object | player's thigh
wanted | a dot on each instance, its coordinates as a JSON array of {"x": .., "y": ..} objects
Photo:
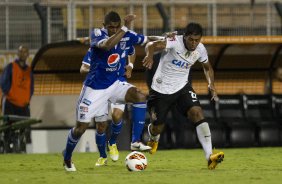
[
  {"x": 92, "y": 103},
  {"x": 118, "y": 91},
  {"x": 159, "y": 106},
  {"x": 188, "y": 104}
]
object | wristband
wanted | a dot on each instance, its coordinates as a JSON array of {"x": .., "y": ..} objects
[
  {"x": 131, "y": 65},
  {"x": 124, "y": 28}
]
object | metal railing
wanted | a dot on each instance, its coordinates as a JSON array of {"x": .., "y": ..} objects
[{"x": 69, "y": 19}]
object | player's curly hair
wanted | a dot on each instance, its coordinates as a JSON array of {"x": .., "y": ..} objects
[
  {"x": 112, "y": 17},
  {"x": 193, "y": 29}
]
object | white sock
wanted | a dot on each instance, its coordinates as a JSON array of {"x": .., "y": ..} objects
[
  {"x": 152, "y": 137},
  {"x": 204, "y": 136}
]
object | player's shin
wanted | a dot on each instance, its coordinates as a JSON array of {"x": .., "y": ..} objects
[
  {"x": 101, "y": 144},
  {"x": 72, "y": 141},
  {"x": 138, "y": 118},
  {"x": 116, "y": 128},
  {"x": 204, "y": 136}
]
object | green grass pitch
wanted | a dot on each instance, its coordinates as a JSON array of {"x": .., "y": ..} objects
[{"x": 250, "y": 165}]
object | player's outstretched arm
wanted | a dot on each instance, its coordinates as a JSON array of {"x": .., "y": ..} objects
[
  {"x": 209, "y": 73},
  {"x": 165, "y": 35},
  {"x": 150, "y": 48},
  {"x": 129, "y": 67},
  {"x": 114, "y": 39}
]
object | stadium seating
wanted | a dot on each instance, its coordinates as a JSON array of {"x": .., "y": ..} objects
[
  {"x": 259, "y": 111},
  {"x": 230, "y": 111}
]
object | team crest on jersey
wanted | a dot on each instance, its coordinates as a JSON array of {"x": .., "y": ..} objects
[
  {"x": 113, "y": 60},
  {"x": 122, "y": 45}
]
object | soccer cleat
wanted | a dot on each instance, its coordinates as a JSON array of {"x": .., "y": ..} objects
[
  {"x": 215, "y": 159},
  {"x": 113, "y": 152},
  {"x": 139, "y": 146},
  {"x": 153, "y": 145},
  {"x": 69, "y": 166},
  {"x": 101, "y": 161}
]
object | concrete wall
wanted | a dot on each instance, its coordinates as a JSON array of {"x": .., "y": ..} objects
[{"x": 54, "y": 141}]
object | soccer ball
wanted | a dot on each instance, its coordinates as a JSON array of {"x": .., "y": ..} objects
[{"x": 136, "y": 161}]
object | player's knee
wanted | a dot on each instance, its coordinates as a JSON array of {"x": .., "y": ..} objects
[
  {"x": 134, "y": 95},
  {"x": 79, "y": 131},
  {"x": 157, "y": 128},
  {"x": 195, "y": 114},
  {"x": 101, "y": 127},
  {"x": 117, "y": 117}
]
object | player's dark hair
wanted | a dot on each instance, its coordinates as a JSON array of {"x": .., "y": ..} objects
[
  {"x": 112, "y": 17},
  {"x": 193, "y": 29}
]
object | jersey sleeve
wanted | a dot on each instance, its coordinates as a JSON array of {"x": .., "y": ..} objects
[
  {"x": 97, "y": 37},
  {"x": 131, "y": 50},
  {"x": 87, "y": 59},
  {"x": 171, "y": 43},
  {"x": 137, "y": 39},
  {"x": 203, "y": 54}
]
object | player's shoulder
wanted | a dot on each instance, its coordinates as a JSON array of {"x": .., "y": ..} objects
[
  {"x": 201, "y": 47},
  {"x": 131, "y": 33},
  {"x": 97, "y": 32}
]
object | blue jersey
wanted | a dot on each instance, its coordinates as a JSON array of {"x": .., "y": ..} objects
[
  {"x": 87, "y": 60},
  {"x": 108, "y": 66}
]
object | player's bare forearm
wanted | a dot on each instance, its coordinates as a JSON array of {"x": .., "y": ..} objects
[
  {"x": 113, "y": 40},
  {"x": 209, "y": 73},
  {"x": 154, "y": 46},
  {"x": 150, "y": 48},
  {"x": 155, "y": 38},
  {"x": 129, "y": 67}
]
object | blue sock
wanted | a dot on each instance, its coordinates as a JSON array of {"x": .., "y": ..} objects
[
  {"x": 116, "y": 128},
  {"x": 71, "y": 143},
  {"x": 101, "y": 144},
  {"x": 138, "y": 118}
]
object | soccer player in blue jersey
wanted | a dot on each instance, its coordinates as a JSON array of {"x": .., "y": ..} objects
[
  {"x": 109, "y": 47},
  {"x": 117, "y": 109}
]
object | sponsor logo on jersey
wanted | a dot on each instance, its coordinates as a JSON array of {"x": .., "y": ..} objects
[
  {"x": 83, "y": 109},
  {"x": 180, "y": 64},
  {"x": 113, "y": 60},
  {"x": 86, "y": 102},
  {"x": 159, "y": 80}
]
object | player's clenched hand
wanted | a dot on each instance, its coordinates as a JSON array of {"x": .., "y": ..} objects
[
  {"x": 170, "y": 34},
  {"x": 128, "y": 19},
  {"x": 148, "y": 62},
  {"x": 128, "y": 71},
  {"x": 213, "y": 93}
]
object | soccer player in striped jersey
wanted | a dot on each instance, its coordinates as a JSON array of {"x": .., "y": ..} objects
[{"x": 170, "y": 86}]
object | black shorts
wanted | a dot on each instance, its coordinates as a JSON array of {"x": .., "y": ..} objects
[{"x": 160, "y": 104}]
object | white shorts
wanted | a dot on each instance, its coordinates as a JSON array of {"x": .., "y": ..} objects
[
  {"x": 120, "y": 106},
  {"x": 95, "y": 103}
]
